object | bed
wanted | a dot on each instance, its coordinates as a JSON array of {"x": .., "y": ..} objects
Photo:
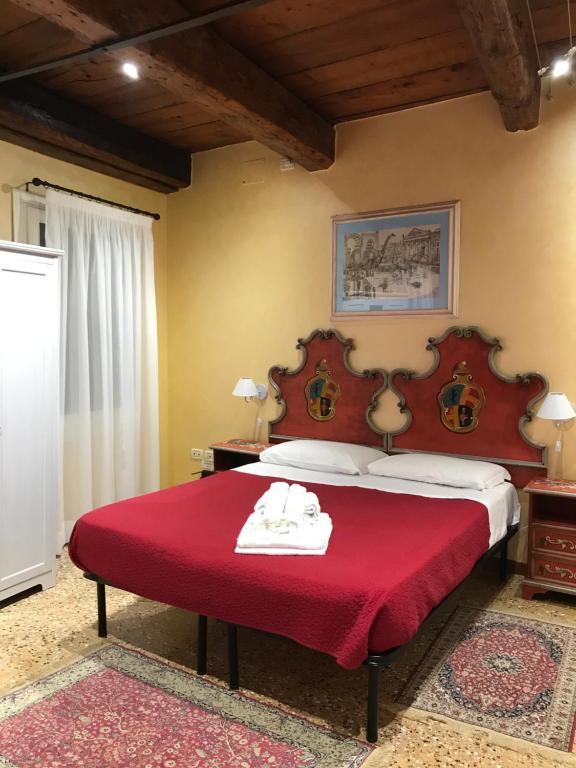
[{"x": 399, "y": 547}]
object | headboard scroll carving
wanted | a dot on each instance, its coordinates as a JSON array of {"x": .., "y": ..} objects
[
  {"x": 350, "y": 399},
  {"x": 500, "y": 433},
  {"x": 483, "y": 418}
]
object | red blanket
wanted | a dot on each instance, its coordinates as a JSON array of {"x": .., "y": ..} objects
[{"x": 391, "y": 559}]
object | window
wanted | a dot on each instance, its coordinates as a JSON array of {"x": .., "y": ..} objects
[{"x": 28, "y": 218}]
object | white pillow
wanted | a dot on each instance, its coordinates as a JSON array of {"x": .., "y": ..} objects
[
  {"x": 323, "y": 456},
  {"x": 443, "y": 470}
]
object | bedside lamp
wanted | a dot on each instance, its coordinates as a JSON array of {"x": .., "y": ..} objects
[
  {"x": 557, "y": 408},
  {"x": 251, "y": 392}
]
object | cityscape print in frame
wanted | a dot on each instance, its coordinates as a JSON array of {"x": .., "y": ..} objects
[{"x": 396, "y": 262}]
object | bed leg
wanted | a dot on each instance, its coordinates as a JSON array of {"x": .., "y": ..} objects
[
  {"x": 101, "y": 597},
  {"x": 373, "y": 696},
  {"x": 504, "y": 560},
  {"x": 233, "y": 669},
  {"x": 202, "y": 644}
]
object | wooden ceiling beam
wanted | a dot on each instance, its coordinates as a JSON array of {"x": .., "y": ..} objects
[
  {"x": 38, "y": 119},
  {"x": 500, "y": 30},
  {"x": 165, "y": 30},
  {"x": 200, "y": 67}
]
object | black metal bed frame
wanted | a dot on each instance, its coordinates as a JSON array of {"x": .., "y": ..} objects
[{"x": 375, "y": 662}]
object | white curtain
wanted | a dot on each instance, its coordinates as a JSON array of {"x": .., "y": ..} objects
[{"x": 109, "y": 359}]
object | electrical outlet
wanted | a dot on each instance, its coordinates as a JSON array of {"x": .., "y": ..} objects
[
  {"x": 196, "y": 454},
  {"x": 208, "y": 460}
]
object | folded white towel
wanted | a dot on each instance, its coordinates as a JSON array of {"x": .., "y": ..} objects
[
  {"x": 273, "y": 501},
  {"x": 278, "y": 551},
  {"x": 259, "y": 533},
  {"x": 286, "y": 520},
  {"x": 290, "y": 546}
]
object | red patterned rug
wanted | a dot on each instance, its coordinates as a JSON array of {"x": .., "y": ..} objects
[
  {"x": 118, "y": 707},
  {"x": 512, "y": 675}
]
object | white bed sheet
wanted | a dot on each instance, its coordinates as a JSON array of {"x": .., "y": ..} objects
[{"x": 502, "y": 503}]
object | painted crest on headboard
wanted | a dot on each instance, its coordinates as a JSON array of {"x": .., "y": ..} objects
[
  {"x": 498, "y": 433},
  {"x": 321, "y": 393},
  {"x": 461, "y": 401},
  {"x": 324, "y": 397}
]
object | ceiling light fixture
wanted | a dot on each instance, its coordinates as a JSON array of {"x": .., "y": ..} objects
[
  {"x": 130, "y": 70},
  {"x": 563, "y": 64}
]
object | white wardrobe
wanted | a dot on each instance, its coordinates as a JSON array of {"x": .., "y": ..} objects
[{"x": 29, "y": 412}]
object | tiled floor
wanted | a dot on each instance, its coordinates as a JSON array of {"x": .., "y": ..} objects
[{"x": 55, "y": 627}]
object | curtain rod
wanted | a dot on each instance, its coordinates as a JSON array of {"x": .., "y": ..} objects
[{"x": 48, "y": 185}]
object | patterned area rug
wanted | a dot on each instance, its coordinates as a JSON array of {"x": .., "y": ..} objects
[
  {"x": 512, "y": 675},
  {"x": 119, "y": 707}
]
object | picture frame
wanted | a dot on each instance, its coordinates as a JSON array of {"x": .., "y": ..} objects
[{"x": 398, "y": 262}]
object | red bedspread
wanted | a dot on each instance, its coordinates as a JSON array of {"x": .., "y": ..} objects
[{"x": 391, "y": 559}]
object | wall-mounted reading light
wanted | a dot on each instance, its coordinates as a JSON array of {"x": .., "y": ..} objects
[
  {"x": 252, "y": 392},
  {"x": 557, "y": 408}
]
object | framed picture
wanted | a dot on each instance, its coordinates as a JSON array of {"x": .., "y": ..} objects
[{"x": 396, "y": 262}]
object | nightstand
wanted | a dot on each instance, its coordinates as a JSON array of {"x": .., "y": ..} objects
[
  {"x": 229, "y": 454},
  {"x": 551, "y": 538}
]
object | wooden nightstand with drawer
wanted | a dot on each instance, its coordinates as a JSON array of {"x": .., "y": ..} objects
[{"x": 551, "y": 538}]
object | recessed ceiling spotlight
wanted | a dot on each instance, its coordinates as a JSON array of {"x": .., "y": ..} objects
[{"x": 130, "y": 70}]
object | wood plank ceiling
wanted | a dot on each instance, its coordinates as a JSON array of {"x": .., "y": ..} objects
[{"x": 283, "y": 73}]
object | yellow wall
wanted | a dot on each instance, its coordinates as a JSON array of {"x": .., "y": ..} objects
[
  {"x": 249, "y": 264},
  {"x": 19, "y": 165},
  {"x": 242, "y": 270}
]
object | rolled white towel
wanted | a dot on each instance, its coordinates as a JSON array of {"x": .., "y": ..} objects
[
  {"x": 295, "y": 501},
  {"x": 273, "y": 501},
  {"x": 311, "y": 506}
]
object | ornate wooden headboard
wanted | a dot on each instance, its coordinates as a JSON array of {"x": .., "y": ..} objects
[
  {"x": 324, "y": 397},
  {"x": 463, "y": 406}
]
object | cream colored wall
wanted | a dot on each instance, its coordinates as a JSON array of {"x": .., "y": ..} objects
[
  {"x": 249, "y": 264},
  {"x": 19, "y": 165}
]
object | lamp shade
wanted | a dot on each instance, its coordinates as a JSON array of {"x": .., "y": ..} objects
[
  {"x": 556, "y": 407},
  {"x": 245, "y": 388}
]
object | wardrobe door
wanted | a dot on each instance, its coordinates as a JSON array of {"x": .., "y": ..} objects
[{"x": 28, "y": 420}]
